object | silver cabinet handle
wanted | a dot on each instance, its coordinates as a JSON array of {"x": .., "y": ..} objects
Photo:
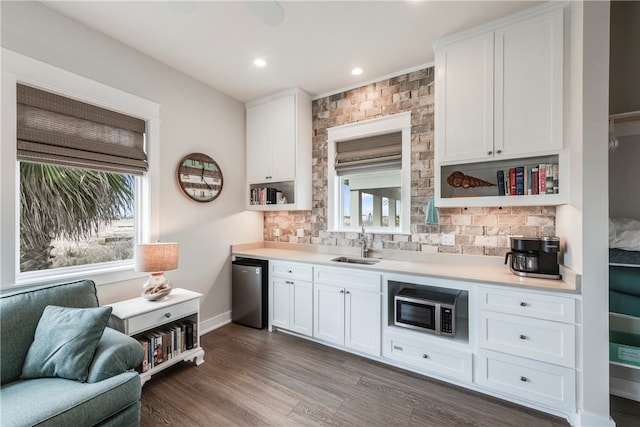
[
  {"x": 498, "y": 151},
  {"x": 524, "y": 379},
  {"x": 489, "y": 153},
  {"x": 347, "y": 292},
  {"x": 523, "y": 337},
  {"x": 342, "y": 291},
  {"x": 523, "y": 304},
  {"x": 425, "y": 356}
]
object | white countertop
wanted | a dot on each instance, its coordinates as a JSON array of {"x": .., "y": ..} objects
[{"x": 445, "y": 266}]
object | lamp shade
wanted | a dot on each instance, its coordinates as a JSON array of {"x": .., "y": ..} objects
[{"x": 156, "y": 257}]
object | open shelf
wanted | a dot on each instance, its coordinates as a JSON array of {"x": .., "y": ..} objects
[{"x": 451, "y": 196}]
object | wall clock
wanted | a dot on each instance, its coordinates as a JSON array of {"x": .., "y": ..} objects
[{"x": 199, "y": 177}]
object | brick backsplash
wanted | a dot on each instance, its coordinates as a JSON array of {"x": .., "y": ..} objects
[{"x": 478, "y": 231}]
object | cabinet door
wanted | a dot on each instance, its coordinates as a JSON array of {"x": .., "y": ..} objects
[
  {"x": 259, "y": 145},
  {"x": 283, "y": 138},
  {"x": 362, "y": 321},
  {"x": 464, "y": 99},
  {"x": 528, "y": 80},
  {"x": 280, "y": 303},
  {"x": 328, "y": 313},
  {"x": 302, "y": 307}
]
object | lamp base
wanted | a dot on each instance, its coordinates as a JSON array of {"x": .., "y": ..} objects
[{"x": 156, "y": 288}]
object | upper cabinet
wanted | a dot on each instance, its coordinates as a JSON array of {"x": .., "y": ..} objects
[
  {"x": 279, "y": 152},
  {"x": 499, "y": 102}
]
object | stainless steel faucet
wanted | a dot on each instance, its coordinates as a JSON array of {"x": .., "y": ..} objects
[{"x": 363, "y": 244}]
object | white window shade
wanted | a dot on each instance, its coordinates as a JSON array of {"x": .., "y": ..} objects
[{"x": 369, "y": 153}]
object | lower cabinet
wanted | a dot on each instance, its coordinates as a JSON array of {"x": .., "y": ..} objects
[
  {"x": 348, "y": 315},
  {"x": 538, "y": 382},
  {"x": 429, "y": 356},
  {"x": 291, "y": 298},
  {"x": 527, "y": 346}
]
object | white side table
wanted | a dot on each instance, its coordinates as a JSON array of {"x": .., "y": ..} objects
[{"x": 140, "y": 318}]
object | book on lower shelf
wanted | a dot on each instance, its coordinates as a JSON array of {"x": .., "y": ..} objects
[{"x": 167, "y": 342}]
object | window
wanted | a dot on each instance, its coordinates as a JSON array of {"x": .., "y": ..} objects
[
  {"x": 133, "y": 203},
  {"x": 369, "y": 175},
  {"x": 77, "y": 185}
]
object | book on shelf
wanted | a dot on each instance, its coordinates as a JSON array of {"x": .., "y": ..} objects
[
  {"x": 542, "y": 179},
  {"x": 512, "y": 181},
  {"x": 534, "y": 180},
  {"x": 549, "y": 186},
  {"x": 167, "y": 342},
  {"x": 500, "y": 175},
  {"x": 528, "y": 180},
  {"x": 520, "y": 186},
  {"x": 263, "y": 196}
]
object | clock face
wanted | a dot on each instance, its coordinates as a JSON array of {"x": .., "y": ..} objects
[{"x": 199, "y": 177}]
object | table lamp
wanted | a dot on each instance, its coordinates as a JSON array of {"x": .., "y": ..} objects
[{"x": 156, "y": 258}]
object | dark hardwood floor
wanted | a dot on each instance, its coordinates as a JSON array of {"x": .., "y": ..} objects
[{"x": 254, "y": 377}]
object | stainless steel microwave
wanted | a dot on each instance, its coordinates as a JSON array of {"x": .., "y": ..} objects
[{"x": 426, "y": 310}]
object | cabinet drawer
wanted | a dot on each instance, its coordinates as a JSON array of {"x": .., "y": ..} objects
[
  {"x": 431, "y": 357},
  {"x": 538, "y": 382},
  {"x": 529, "y": 304},
  {"x": 536, "y": 339},
  {"x": 154, "y": 318},
  {"x": 353, "y": 278},
  {"x": 292, "y": 270}
]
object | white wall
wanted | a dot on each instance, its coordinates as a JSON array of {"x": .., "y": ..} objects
[
  {"x": 624, "y": 176},
  {"x": 583, "y": 222},
  {"x": 194, "y": 118}
]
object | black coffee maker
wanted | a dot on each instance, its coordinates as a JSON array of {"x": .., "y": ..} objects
[{"x": 534, "y": 257}]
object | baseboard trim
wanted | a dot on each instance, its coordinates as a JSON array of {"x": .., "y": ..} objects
[
  {"x": 215, "y": 322},
  {"x": 624, "y": 388}
]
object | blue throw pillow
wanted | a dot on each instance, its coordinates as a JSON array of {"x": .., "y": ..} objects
[{"x": 65, "y": 341}]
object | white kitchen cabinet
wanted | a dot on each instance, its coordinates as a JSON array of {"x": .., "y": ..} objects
[
  {"x": 427, "y": 355},
  {"x": 527, "y": 346},
  {"x": 499, "y": 98},
  {"x": 279, "y": 150},
  {"x": 464, "y": 99},
  {"x": 291, "y": 297},
  {"x": 542, "y": 383},
  {"x": 347, "y": 308}
]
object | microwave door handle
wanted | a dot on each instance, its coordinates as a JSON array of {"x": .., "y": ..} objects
[{"x": 437, "y": 315}]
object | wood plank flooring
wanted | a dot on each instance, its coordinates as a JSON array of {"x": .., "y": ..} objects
[{"x": 256, "y": 378}]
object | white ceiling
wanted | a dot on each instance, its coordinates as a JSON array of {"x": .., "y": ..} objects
[{"x": 313, "y": 48}]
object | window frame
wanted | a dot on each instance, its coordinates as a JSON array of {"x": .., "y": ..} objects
[
  {"x": 393, "y": 123},
  {"x": 17, "y": 68}
]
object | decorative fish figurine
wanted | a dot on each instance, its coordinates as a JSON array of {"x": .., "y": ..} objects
[{"x": 459, "y": 179}]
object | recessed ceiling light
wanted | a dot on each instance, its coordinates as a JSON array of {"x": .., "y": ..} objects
[
  {"x": 259, "y": 62},
  {"x": 356, "y": 71}
]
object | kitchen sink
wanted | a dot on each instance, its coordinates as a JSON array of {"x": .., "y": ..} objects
[{"x": 350, "y": 260}]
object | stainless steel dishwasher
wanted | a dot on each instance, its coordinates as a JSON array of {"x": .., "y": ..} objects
[{"x": 249, "y": 292}]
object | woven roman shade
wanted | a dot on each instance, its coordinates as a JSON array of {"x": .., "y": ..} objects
[
  {"x": 369, "y": 153},
  {"x": 62, "y": 131}
]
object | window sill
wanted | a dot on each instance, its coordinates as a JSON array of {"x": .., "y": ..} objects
[{"x": 101, "y": 275}]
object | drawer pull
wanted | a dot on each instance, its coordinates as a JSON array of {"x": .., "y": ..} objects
[
  {"x": 523, "y": 337},
  {"x": 289, "y": 271},
  {"x": 342, "y": 291},
  {"x": 167, "y": 315},
  {"x": 289, "y": 282},
  {"x": 425, "y": 356},
  {"x": 524, "y": 379},
  {"x": 347, "y": 292},
  {"x": 397, "y": 347},
  {"x": 523, "y": 304}
]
